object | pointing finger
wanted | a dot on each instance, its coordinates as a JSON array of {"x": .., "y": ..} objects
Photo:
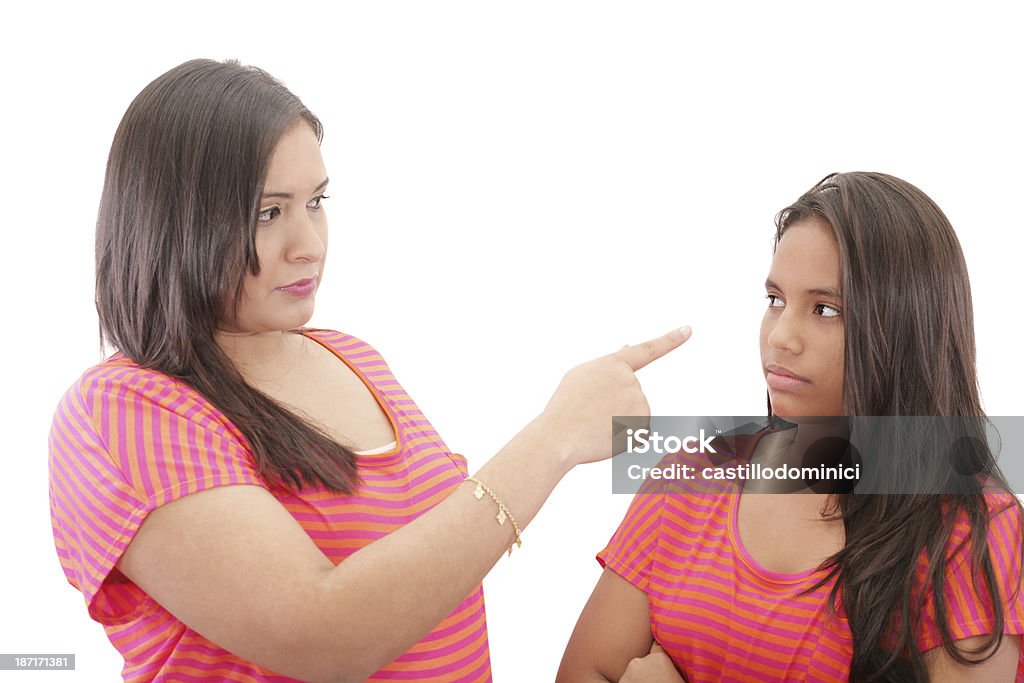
[{"x": 641, "y": 354}]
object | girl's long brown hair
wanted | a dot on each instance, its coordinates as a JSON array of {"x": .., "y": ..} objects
[
  {"x": 175, "y": 238},
  {"x": 909, "y": 351}
]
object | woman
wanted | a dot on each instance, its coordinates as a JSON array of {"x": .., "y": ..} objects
[
  {"x": 241, "y": 498},
  {"x": 869, "y": 314}
]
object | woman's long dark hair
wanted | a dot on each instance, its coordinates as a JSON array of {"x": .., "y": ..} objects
[
  {"x": 909, "y": 351},
  {"x": 175, "y": 239}
]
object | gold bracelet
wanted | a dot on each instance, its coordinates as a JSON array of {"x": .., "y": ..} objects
[{"x": 503, "y": 513}]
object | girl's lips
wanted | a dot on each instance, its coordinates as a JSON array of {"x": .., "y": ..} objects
[
  {"x": 781, "y": 379},
  {"x": 784, "y": 382},
  {"x": 300, "y": 288}
]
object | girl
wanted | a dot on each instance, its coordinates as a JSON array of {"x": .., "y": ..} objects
[
  {"x": 241, "y": 498},
  {"x": 869, "y": 314}
]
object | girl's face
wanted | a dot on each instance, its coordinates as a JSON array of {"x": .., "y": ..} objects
[
  {"x": 802, "y": 334},
  {"x": 291, "y": 238}
]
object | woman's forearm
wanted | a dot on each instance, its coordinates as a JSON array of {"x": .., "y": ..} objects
[{"x": 395, "y": 590}]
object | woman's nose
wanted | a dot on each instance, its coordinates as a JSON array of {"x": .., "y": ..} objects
[{"x": 308, "y": 238}]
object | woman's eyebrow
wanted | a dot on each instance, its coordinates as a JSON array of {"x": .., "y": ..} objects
[
  {"x": 289, "y": 195},
  {"x": 820, "y": 291}
]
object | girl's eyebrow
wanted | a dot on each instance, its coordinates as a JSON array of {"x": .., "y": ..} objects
[
  {"x": 820, "y": 291},
  {"x": 289, "y": 195}
]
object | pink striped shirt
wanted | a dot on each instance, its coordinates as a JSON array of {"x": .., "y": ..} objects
[
  {"x": 126, "y": 440},
  {"x": 721, "y": 616}
]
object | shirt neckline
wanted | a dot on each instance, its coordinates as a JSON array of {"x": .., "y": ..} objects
[
  {"x": 369, "y": 459},
  {"x": 379, "y": 449},
  {"x": 734, "y": 536}
]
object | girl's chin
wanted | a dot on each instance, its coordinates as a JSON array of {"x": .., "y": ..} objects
[
  {"x": 795, "y": 411},
  {"x": 790, "y": 413},
  {"x": 805, "y": 415}
]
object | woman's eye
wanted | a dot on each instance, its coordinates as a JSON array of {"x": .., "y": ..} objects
[
  {"x": 268, "y": 214},
  {"x": 774, "y": 301},
  {"x": 826, "y": 311},
  {"x": 316, "y": 202}
]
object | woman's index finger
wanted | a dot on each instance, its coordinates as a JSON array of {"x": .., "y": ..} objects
[{"x": 640, "y": 355}]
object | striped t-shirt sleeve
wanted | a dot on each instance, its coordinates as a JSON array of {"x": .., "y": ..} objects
[
  {"x": 630, "y": 551},
  {"x": 123, "y": 442},
  {"x": 969, "y": 605}
]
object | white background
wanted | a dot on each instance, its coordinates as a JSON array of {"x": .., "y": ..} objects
[{"x": 517, "y": 187}]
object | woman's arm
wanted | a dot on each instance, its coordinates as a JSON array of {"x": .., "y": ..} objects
[
  {"x": 232, "y": 563},
  {"x": 613, "y": 629}
]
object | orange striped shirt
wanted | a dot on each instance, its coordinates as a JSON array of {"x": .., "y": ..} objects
[
  {"x": 126, "y": 440},
  {"x": 721, "y": 616}
]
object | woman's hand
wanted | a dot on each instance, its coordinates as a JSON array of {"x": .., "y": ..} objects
[
  {"x": 656, "y": 667},
  {"x": 579, "y": 414}
]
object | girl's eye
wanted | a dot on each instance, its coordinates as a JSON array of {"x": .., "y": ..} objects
[
  {"x": 268, "y": 214},
  {"x": 316, "y": 202},
  {"x": 826, "y": 311}
]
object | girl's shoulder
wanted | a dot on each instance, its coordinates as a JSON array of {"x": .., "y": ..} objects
[
  {"x": 1004, "y": 534},
  {"x": 997, "y": 498},
  {"x": 968, "y": 593},
  {"x": 1001, "y": 507}
]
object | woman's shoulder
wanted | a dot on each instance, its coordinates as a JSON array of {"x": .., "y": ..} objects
[
  {"x": 354, "y": 349},
  {"x": 119, "y": 389},
  {"x": 340, "y": 341},
  {"x": 118, "y": 372}
]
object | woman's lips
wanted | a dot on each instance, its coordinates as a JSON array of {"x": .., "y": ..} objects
[
  {"x": 781, "y": 379},
  {"x": 300, "y": 288}
]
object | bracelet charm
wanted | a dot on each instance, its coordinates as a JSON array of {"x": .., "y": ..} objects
[{"x": 503, "y": 512}]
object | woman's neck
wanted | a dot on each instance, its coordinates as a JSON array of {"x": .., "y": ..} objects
[{"x": 259, "y": 354}]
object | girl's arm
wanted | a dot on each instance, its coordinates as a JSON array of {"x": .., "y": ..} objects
[
  {"x": 234, "y": 565},
  {"x": 613, "y": 633},
  {"x": 613, "y": 629},
  {"x": 1001, "y": 667},
  {"x": 967, "y": 596}
]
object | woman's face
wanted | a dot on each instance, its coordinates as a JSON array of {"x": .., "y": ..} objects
[
  {"x": 802, "y": 335},
  {"x": 291, "y": 238}
]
